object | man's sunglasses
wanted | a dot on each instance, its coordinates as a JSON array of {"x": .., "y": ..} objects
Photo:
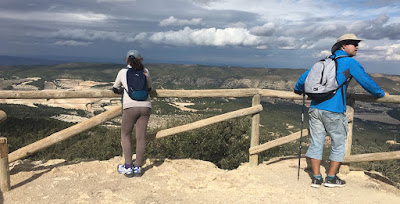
[{"x": 354, "y": 43}]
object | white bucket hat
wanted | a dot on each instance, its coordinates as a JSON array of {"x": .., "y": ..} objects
[{"x": 347, "y": 36}]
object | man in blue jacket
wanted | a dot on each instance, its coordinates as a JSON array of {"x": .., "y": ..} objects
[{"x": 329, "y": 116}]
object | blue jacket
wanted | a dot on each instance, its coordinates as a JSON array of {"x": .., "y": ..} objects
[{"x": 337, "y": 103}]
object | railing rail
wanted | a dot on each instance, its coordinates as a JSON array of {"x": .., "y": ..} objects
[
  {"x": 277, "y": 142},
  {"x": 64, "y": 134},
  {"x": 209, "y": 121},
  {"x": 379, "y": 156},
  {"x": 164, "y": 93},
  {"x": 255, "y": 110}
]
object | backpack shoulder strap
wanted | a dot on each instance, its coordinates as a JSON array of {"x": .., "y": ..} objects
[
  {"x": 334, "y": 57},
  {"x": 346, "y": 74},
  {"x": 340, "y": 56},
  {"x": 126, "y": 77}
]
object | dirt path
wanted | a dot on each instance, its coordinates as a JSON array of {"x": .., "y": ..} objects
[{"x": 185, "y": 181}]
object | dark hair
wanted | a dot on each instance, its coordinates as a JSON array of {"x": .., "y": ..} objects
[{"x": 136, "y": 64}]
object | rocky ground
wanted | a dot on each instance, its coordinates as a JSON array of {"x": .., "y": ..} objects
[{"x": 185, "y": 181}]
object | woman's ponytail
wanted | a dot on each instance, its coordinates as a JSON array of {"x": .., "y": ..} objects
[{"x": 135, "y": 63}]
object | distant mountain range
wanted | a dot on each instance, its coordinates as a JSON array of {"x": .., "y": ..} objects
[
  {"x": 177, "y": 76},
  {"x": 13, "y": 60},
  {"x": 28, "y": 60}
]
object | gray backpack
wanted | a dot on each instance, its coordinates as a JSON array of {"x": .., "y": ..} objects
[{"x": 321, "y": 83}]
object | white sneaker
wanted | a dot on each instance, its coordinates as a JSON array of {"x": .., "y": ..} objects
[
  {"x": 137, "y": 171},
  {"x": 126, "y": 171}
]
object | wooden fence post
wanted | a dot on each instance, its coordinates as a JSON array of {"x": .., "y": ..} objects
[
  {"x": 3, "y": 116},
  {"x": 4, "y": 169},
  {"x": 255, "y": 131},
  {"x": 345, "y": 169}
]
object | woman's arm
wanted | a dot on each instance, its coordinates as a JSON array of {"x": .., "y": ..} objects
[
  {"x": 117, "y": 87},
  {"x": 147, "y": 73}
]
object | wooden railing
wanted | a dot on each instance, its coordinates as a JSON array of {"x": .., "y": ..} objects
[
  {"x": 4, "y": 172},
  {"x": 254, "y": 110}
]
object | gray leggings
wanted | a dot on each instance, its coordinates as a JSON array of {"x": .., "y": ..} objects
[{"x": 138, "y": 116}]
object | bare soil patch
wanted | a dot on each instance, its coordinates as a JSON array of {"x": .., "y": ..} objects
[{"x": 185, "y": 181}]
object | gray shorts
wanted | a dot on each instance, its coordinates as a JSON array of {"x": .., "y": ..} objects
[{"x": 321, "y": 123}]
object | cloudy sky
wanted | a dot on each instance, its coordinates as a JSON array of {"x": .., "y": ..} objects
[{"x": 248, "y": 33}]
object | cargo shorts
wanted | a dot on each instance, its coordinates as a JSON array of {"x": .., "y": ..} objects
[{"x": 324, "y": 122}]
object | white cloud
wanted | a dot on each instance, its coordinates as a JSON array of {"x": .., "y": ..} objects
[
  {"x": 86, "y": 16},
  {"x": 53, "y": 16},
  {"x": 390, "y": 52},
  {"x": 370, "y": 57},
  {"x": 204, "y": 2},
  {"x": 281, "y": 11},
  {"x": 140, "y": 37},
  {"x": 91, "y": 35},
  {"x": 322, "y": 54},
  {"x": 262, "y": 47},
  {"x": 286, "y": 43},
  {"x": 236, "y": 25},
  {"x": 72, "y": 43},
  {"x": 171, "y": 21},
  {"x": 207, "y": 37},
  {"x": 185, "y": 37},
  {"x": 232, "y": 36},
  {"x": 114, "y": 1},
  {"x": 267, "y": 29},
  {"x": 377, "y": 10}
]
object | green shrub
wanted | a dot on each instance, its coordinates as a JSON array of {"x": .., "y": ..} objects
[{"x": 225, "y": 144}]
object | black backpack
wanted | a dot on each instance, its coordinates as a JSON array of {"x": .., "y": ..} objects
[{"x": 137, "y": 85}]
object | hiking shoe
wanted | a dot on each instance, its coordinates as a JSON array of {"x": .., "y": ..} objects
[
  {"x": 335, "y": 182},
  {"x": 137, "y": 171},
  {"x": 126, "y": 171},
  {"x": 316, "y": 183}
]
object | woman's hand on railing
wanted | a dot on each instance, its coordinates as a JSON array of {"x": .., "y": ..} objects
[{"x": 117, "y": 91}]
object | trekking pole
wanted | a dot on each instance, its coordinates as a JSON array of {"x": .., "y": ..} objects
[{"x": 301, "y": 133}]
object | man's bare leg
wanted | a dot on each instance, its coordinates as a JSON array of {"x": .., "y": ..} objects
[
  {"x": 333, "y": 168},
  {"x": 315, "y": 165}
]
